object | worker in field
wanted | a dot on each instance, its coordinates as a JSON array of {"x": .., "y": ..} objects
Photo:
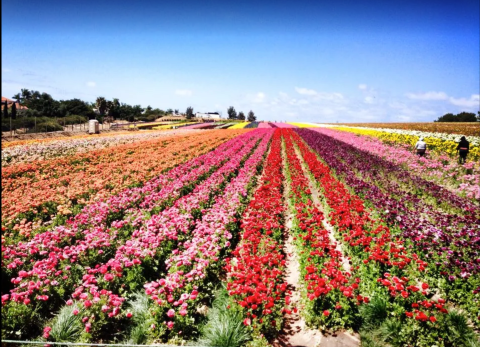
[
  {"x": 462, "y": 149},
  {"x": 421, "y": 147}
]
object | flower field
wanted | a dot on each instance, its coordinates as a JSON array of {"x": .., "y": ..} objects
[
  {"x": 150, "y": 238},
  {"x": 467, "y": 129},
  {"x": 438, "y": 142}
]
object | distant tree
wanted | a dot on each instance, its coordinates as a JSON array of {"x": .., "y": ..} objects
[
  {"x": 14, "y": 111},
  {"x": 102, "y": 105},
  {"x": 137, "y": 110},
  {"x": 5, "y": 110},
  {"x": 466, "y": 117},
  {"x": 478, "y": 116},
  {"x": 17, "y": 97},
  {"x": 251, "y": 116},
  {"x": 232, "y": 114},
  {"x": 176, "y": 111},
  {"x": 461, "y": 117},
  {"x": 114, "y": 109},
  {"x": 26, "y": 94},
  {"x": 189, "y": 112},
  {"x": 75, "y": 107},
  {"x": 241, "y": 115},
  {"x": 169, "y": 111}
]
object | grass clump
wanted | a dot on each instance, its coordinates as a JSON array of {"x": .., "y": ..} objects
[{"x": 224, "y": 327}]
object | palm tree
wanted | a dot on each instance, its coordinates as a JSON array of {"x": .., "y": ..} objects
[
  {"x": 101, "y": 105},
  {"x": 26, "y": 94}
]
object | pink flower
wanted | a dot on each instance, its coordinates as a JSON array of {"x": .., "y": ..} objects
[
  {"x": 108, "y": 277},
  {"x": 46, "y": 332},
  {"x": 87, "y": 303},
  {"x": 69, "y": 302},
  {"x": 170, "y": 324},
  {"x": 183, "y": 312},
  {"x": 171, "y": 313},
  {"x": 75, "y": 312},
  {"x": 129, "y": 315}
]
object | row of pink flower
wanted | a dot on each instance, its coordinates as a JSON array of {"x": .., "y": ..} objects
[
  {"x": 285, "y": 125},
  {"x": 98, "y": 237},
  {"x": 149, "y": 239},
  {"x": 264, "y": 125},
  {"x": 431, "y": 168},
  {"x": 190, "y": 264},
  {"x": 158, "y": 190}
]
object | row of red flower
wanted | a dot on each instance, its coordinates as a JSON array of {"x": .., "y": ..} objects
[
  {"x": 255, "y": 271},
  {"x": 331, "y": 290}
]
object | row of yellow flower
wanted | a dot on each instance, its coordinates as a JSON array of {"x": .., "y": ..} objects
[
  {"x": 171, "y": 126},
  {"x": 433, "y": 144},
  {"x": 239, "y": 125},
  {"x": 304, "y": 125}
]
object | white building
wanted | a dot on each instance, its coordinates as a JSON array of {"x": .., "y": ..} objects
[{"x": 208, "y": 115}]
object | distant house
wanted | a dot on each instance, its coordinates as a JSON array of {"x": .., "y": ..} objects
[
  {"x": 10, "y": 103},
  {"x": 208, "y": 115}
]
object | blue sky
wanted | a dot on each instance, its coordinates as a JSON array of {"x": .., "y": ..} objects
[{"x": 313, "y": 61}]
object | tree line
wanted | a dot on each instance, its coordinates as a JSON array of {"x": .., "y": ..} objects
[
  {"x": 460, "y": 117},
  {"x": 232, "y": 114},
  {"x": 42, "y": 112}
]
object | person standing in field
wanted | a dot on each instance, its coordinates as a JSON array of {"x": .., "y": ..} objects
[
  {"x": 462, "y": 149},
  {"x": 421, "y": 147}
]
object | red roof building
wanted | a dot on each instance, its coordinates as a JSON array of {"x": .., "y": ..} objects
[{"x": 10, "y": 103}]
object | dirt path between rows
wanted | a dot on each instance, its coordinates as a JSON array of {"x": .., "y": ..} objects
[{"x": 295, "y": 332}]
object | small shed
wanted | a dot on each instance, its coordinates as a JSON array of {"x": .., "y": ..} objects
[{"x": 93, "y": 126}]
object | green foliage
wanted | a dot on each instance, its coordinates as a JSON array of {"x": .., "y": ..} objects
[
  {"x": 374, "y": 313},
  {"x": 225, "y": 326},
  {"x": 14, "y": 110},
  {"x": 5, "y": 111},
  {"x": 66, "y": 327},
  {"x": 251, "y": 116},
  {"x": 189, "y": 112},
  {"x": 19, "y": 321},
  {"x": 232, "y": 114},
  {"x": 141, "y": 319}
]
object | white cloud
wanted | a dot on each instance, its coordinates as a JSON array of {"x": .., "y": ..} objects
[
  {"x": 473, "y": 102},
  {"x": 362, "y": 87},
  {"x": 91, "y": 84},
  {"x": 305, "y": 91},
  {"x": 259, "y": 97},
  {"x": 183, "y": 92},
  {"x": 428, "y": 96},
  {"x": 369, "y": 100}
]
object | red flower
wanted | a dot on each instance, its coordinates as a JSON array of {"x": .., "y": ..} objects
[{"x": 326, "y": 313}]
